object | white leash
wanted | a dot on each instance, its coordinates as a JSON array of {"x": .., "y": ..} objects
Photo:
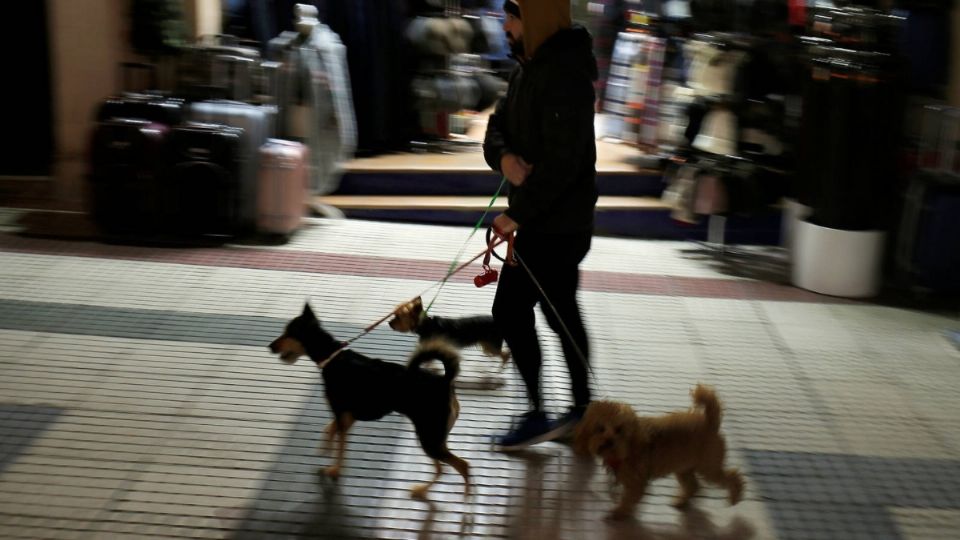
[{"x": 556, "y": 313}]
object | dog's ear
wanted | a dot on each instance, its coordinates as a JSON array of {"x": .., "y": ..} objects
[
  {"x": 308, "y": 312},
  {"x": 417, "y": 302}
]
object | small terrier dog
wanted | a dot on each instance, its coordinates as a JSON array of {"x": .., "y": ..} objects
[
  {"x": 362, "y": 388},
  {"x": 462, "y": 332},
  {"x": 639, "y": 449}
]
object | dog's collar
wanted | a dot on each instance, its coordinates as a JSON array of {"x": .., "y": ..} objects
[{"x": 343, "y": 346}]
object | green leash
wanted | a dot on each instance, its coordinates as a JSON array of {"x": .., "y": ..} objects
[{"x": 476, "y": 227}]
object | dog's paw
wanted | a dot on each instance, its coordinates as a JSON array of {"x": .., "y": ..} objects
[
  {"x": 620, "y": 514},
  {"x": 332, "y": 472},
  {"x": 420, "y": 491},
  {"x": 735, "y": 490},
  {"x": 494, "y": 382},
  {"x": 735, "y": 496}
]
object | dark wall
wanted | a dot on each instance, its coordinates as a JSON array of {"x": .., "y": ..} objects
[{"x": 27, "y": 97}]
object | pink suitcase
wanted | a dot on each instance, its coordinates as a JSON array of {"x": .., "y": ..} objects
[{"x": 282, "y": 189}]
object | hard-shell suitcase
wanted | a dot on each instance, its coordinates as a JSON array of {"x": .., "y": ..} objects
[
  {"x": 256, "y": 123},
  {"x": 141, "y": 104},
  {"x": 221, "y": 67},
  {"x": 283, "y": 186},
  {"x": 202, "y": 193},
  {"x": 127, "y": 158}
]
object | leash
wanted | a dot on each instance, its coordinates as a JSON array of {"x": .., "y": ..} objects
[
  {"x": 556, "y": 313},
  {"x": 485, "y": 253},
  {"x": 476, "y": 227},
  {"x": 487, "y": 275}
]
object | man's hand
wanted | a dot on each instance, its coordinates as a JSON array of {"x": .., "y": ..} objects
[
  {"x": 504, "y": 226},
  {"x": 515, "y": 169}
]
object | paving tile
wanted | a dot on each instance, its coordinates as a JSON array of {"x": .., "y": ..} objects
[
  {"x": 142, "y": 402},
  {"x": 818, "y": 338},
  {"x": 863, "y": 399},
  {"x": 787, "y": 314},
  {"x": 785, "y": 394},
  {"x": 755, "y": 362},
  {"x": 787, "y": 432},
  {"x": 890, "y": 437},
  {"x": 923, "y": 523},
  {"x": 847, "y": 365},
  {"x": 947, "y": 431},
  {"x": 726, "y": 334},
  {"x": 721, "y": 310}
]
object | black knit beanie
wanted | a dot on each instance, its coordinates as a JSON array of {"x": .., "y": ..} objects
[{"x": 511, "y": 7}]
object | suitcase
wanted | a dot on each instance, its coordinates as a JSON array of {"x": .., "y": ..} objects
[
  {"x": 141, "y": 104},
  {"x": 283, "y": 186},
  {"x": 201, "y": 189},
  {"x": 127, "y": 160},
  {"x": 220, "y": 67},
  {"x": 256, "y": 123}
]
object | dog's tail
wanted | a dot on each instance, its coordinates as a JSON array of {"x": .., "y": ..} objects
[
  {"x": 437, "y": 349},
  {"x": 705, "y": 397}
]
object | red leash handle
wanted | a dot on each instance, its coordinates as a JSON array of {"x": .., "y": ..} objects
[
  {"x": 489, "y": 275},
  {"x": 510, "y": 260}
]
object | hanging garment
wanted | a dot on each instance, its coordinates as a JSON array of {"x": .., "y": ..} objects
[
  {"x": 334, "y": 56},
  {"x": 718, "y": 134},
  {"x": 711, "y": 195},
  {"x": 331, "y": 132},
  {"x": 713, "y": 70},
  {"x": 680, "y": 194},
  {"x": 633, "y": 88},
  {"x": 315, "y": 99}
]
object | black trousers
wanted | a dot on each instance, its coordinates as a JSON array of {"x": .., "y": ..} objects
[{"x": 554, "y": 260}]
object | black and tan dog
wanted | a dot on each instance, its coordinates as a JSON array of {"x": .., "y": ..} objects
[
  {"x": 362, "y": 388},
  {"x": 461, "y": 331}
]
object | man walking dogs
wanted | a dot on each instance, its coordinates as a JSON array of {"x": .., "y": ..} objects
[{"x": 541, "y": 138}]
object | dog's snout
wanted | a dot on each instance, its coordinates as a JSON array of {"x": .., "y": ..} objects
[{"x": 274, "y": 348}]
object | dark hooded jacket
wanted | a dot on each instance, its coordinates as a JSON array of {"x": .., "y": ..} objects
[{"x": 546, "y": 118}]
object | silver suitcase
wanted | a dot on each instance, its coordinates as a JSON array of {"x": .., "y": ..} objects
[{"x": 257, "y": 122}]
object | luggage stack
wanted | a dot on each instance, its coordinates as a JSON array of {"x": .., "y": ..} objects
[{"x": 201, "y": 163}]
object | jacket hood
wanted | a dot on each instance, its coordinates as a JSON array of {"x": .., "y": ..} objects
[
  {"x": 542, "y": 19},
  {"x": 571, "y": 46}
]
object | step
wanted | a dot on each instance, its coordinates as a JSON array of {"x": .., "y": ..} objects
[
  {"x": 467, "y": 203},
  {"x": 637, "y": 217},
  {"x": 621, "y": 170},
  {"x": 642, "y": 183}
]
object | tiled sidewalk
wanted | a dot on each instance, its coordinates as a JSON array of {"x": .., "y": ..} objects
[{"x": 138, "y": 400}]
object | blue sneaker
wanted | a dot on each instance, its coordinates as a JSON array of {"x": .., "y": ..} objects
[
  {"x": 534, "y": 427},
  {"x": 562, "y": 428}
]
